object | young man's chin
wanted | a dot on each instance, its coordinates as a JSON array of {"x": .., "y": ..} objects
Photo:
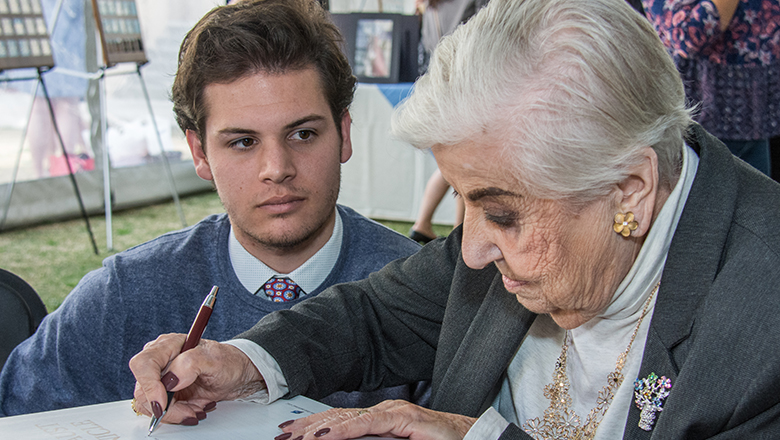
[{"x": 285, "y": 232}]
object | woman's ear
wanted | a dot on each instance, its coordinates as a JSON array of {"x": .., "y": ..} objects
[{"x": 639, "y": 190}]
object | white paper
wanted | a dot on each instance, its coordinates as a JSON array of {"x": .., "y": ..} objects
[{"x": 116, "y": 420}]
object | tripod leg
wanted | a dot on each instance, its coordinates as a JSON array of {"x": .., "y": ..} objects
[
  {"x": 10, "y": 191},
  {"x": 67, "y": 162}
]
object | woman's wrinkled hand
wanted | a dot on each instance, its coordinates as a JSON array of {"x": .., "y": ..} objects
[
  {"x": 392, "y": 418},
  {"x": 206, "y": 374}
]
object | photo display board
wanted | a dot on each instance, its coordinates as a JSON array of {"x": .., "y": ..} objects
[
  {"x": 120, "y": 31},
  {"x": 381, "y": 48},
  {"x": 374, "y": 57},
  {"x": 24, "y": 39}
]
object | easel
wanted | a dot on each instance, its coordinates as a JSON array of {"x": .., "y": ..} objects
[
  {"x": 120, "y": 41},
  {"x": 115, "y": 49},
  {"x": 42, "y": 60}
]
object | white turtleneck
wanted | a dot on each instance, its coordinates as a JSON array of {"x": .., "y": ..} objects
[{"x": 595, "y": 345}]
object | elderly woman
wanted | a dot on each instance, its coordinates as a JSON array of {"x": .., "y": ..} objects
[{"x": 616, "y": 274}]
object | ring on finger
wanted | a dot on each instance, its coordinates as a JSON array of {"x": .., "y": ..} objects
[{"x": 132, "y": 405}]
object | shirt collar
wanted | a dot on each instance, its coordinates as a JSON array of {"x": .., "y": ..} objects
[{"x": 253, "y": 273}]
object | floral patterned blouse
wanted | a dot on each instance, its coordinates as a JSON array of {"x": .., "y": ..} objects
[{"x": 734, "y": 74}]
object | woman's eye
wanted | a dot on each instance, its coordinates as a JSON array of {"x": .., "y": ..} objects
[{"x": 503, "y": 219}]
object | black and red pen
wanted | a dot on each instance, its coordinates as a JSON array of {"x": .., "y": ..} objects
[{"x": 192, "y": 340}]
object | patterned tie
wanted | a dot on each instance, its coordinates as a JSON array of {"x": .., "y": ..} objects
[{"x": 282, "y": 289}]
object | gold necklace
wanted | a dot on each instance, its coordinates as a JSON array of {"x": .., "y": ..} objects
[{"x": 560, "y": 421}]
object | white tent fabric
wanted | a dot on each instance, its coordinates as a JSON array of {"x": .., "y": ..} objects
[{"x": 385, "y": 177}]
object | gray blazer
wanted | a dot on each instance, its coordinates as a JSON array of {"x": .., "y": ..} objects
[{"x": 715, "y": 330}]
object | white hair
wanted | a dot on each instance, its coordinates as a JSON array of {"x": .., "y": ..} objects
[{"x": 574, "y": 88}]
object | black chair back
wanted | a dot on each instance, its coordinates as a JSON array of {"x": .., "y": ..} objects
[{"x": 21, "y": 311}]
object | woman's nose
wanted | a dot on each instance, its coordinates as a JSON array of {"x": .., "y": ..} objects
[{"x": 478, "y": 247}]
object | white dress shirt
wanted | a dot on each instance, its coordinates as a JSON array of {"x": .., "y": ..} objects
[{"x": 253, "y": 273}]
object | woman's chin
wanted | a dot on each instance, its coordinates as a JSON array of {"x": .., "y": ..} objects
[{"x": 568, "y": 319}]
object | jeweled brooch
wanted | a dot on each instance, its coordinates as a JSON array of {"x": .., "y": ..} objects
[{"x": 649, "y": 395}]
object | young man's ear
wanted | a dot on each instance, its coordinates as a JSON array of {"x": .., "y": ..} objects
[
  {"x": 346, "y": 137},
  {"x": 199, "y": 158}
]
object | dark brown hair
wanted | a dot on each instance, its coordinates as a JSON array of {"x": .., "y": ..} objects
[{"x": 272, "y": 36}]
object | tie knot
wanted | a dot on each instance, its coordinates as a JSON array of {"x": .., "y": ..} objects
[{"x": 282, "y": 289}]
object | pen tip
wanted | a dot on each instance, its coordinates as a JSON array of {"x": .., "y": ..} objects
[{"x": 153, "y": 425}]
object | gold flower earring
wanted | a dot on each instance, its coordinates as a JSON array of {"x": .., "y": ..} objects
[{"x": 624, "y": 223}]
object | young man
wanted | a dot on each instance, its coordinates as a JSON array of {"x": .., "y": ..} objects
[{"x": 261, "y": 92}]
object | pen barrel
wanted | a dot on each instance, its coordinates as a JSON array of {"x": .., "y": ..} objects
[
  {"x": 199, "y": 325},
  {"x": 191, "y": 341},
  {"x": 196, "y": 331}
]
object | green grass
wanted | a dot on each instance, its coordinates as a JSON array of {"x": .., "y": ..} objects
[{"x": 52, "y": 258}]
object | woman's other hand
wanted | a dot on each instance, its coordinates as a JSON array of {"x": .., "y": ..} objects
[{"x": 392, "y": 418}]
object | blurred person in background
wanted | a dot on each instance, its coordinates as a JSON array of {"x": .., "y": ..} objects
[
  {"x": 728, "y": 53},
  {"x": 439, "y": 19},
  {"x": 67, "y": 92}
]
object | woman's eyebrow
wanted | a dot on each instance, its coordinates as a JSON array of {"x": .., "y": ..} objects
[{"x": 490, "y": 192}]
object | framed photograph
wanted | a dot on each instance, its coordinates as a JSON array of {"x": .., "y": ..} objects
[
  {"x": 24, "y": 39},
  {"x": 381, "y": 48},
  {"x": 374, "y": 48},
  {"x": 120, "y": 31}
]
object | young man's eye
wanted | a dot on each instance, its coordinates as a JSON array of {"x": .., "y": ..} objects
[
  {"x": 304, "y": 135},
  {"x": 242, "y": 143}
]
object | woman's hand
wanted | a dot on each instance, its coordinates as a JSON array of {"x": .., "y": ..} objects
[
  {"x": 201, "y": 376},
  {"x": 392, "y": 418}
]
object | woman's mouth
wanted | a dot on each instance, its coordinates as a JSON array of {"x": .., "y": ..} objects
[{"x": 511, "y": 284}]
